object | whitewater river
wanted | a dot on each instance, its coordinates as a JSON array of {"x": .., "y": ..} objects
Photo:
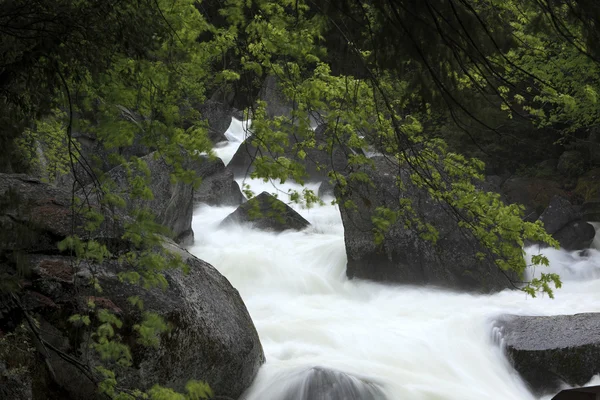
[{"x": 415, "y": 343}]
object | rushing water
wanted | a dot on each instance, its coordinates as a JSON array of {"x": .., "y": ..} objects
[{"x": 411, "y": 342}]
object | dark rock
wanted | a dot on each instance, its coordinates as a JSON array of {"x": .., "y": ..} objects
[
  {"x": 563, "y": 221},
  {"x": 34, "y": 216},
  {"x": 218, "y": 117},
  {"x": 325, "y": 384},
  {"x": 576, "y": 235},
  {"x": 218, "y": 186},
  {"x": 267, "y": 213},
  {"x": 591, "y": 211},
  {"x": 14, "y": 385},
  {"x": 534, "y": 193},
  {"x": 212, "y": 339},
  {"x": 547, "y": 351},
  {"x": 172, "y": 203},
  {"x": 317, "y": 162},
  {"x": 277, "y": 103},
  {"x": 558, "y": 214},
  {"x": 404, "y": 257},
  {"x": 326, "y": 189},
  {"x": 571, "y": 163}
]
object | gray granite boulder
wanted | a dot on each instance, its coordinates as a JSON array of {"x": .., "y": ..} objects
[
  {"x": 549, "y": 351},
  {"x": 267, "y": 213},
  {"x": 566, "y": 224},
  {"x": 404, "y": 257}
]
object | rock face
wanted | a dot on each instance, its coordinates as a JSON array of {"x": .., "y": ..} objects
[
  {"x": 591, "y": 211},
  {"x": 267, "y": 213},
  {"x": 317, "y": 162},
  {"x": 34, "y": 216},
  {"x": 212, "y": 337},
  {"x": 547, "y": 351},
  {"x": 172, "y": 203},
  {"x": 326, "y": 189},
  {"x": 218, "y": 187},
  {"x": 565, "y": 223},
  {"x": 325, "y": 384},
  {"x": 404, "y": 257},
  {"x": 218, "y": 117}
]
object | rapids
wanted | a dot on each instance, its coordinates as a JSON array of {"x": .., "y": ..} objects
[{"x": 413, "y": 343}]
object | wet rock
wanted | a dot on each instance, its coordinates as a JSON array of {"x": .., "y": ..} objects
[
  {"x": 564, "y": 222},
  {"x": 404, "y": 257},
  {"x": 326, "y": 189},
  {"x": 326, "y": 384},
  {"x": 218, "y": 117},
  {"x": 318, "y": 161},
  {"x": 558, "y": 214},
  {"x": 267, "y": 213},
  {"x": 576, "y": 235},
  {"x": 172, "y": 203},
  {"x": 547, "y": 351},
  {"x": 591, "y": 211},
  {"x": 218, "y": 187},
  {"x": 212, "y": 337}
]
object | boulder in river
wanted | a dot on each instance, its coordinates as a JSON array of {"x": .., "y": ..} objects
[
  {"x": 218, "y": 187},
  {"x": 324, "y": 384},
  {"x": 404, "y": 257},
  {"x": 549, "y": 351},
  {"x": 267, "y": 213},
  {"x": 565, "y": 223},
  {"x": 317, "y": 161},
  {"x": 212, "y": 337}
]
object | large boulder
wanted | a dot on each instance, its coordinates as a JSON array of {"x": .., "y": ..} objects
[
  {"x": 549, "y": 351},
  {"x": 267, "y": 213},
  {"x": 218, "y": 187},
  {"x": 318, "y": 161},
  {"x": 212, "y": 337},
  {"x": 565, "y": 223},
  {"x": 218, "y": 116},
  {"x": 319, "y": 383},
  {"x": 172, "y": 203},
  {"x": 34, "y": 216},
  {"x": 404, "y": 257}
]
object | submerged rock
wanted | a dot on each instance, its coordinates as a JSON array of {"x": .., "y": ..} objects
[
  {"x": 547, "y": 351},
  {"x": 267, "y": 213},
  {"x": 324, "y": 384},
  {"x": 404, "y": 257}
]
